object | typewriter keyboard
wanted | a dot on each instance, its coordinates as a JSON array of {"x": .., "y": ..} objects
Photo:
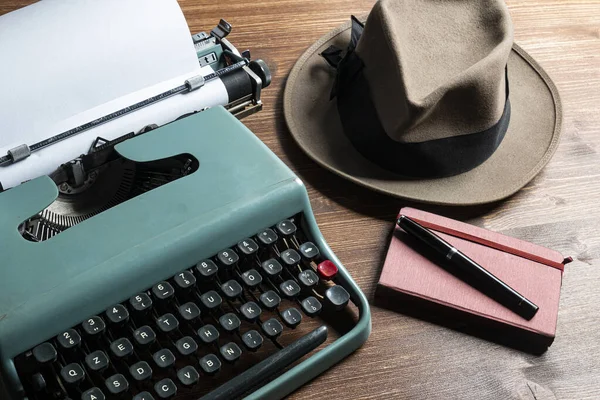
[{"x": 220, "y": 328}]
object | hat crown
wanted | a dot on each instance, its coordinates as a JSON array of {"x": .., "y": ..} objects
[{"x": 436, "y": 68}]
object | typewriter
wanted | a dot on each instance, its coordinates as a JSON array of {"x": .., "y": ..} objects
[{"x": 181, "y": 261}]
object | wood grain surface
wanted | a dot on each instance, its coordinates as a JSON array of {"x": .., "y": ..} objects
[{"x": 406, "y": 358}]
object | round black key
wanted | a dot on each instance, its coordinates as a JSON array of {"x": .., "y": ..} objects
[
  {"x": 121, "y": 348},
  {"x": 165, "y": 389},
  {"x": 167, "y": 323},
  {"x": 286, "y": 228},
  {"x": 143, "y": 396},
  {"x": 141, "y": 371},
  {"x": 72, "y": 374},
  {"x": 144, "y": 336},
  {"x": 69, "y": 339},
  {"x": 272, "y": 267},
  {"x": 308, "y": 278},
  {"x": 231, "y": 289},
  {"x": 228, "y": 257},
  {"x": 208, "y": 333},
  {"x": 267, "y": 237},
  {"x": 290, "y": 289},
  {"x": 117, "y": 315},
  {"x": 250, "y": 311},
  {"x": 185, "y": 280},
  {"x": 210, "y": 364},
  {"x": 290, "y": 257},
  {"x": 189, "y": 311},
  {"x": 186, "y": 346},
  {"x": 163, "y": 291},
  {"x": 188, "y": 376},
  {"x": 163, "y": 358},
  {"x": 230, "y": 322},
  {"x": 93, "y": 394},
  {"x": 251, "y": 278},
  {"x": 94, "y": 326},
  {"x": 117, "y": 384},
  {"x": 291, "y": 317},
  {"x": 97, "y": 361},
  {"x": 337, "y": 297},
  {"x": 272, "y": 328},
  {"x": 211, "y": 300},
  {"x": 247, "y": 247},
  {"x": 141, "y": 303},
  {"x": 311, "y": 306},
  {"x": 309, "y": 251},
  {"x": 45, "y": 353},
  {"x": 252, "y": 340},
  {"x": 230, "y": 352},
  {"x": 270, "y": 300},
  {"x": 207, "y": 269}
]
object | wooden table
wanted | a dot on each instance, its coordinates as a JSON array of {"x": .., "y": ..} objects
[{"x": 560, "y": 209}]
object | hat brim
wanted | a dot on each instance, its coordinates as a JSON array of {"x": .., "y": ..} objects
[{"x": 529, "y": 143}]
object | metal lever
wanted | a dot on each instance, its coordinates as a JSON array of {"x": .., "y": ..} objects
[{"x": 222, "y": 30}]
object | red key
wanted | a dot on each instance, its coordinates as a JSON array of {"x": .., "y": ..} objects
[{"x": 327, "y": 270}]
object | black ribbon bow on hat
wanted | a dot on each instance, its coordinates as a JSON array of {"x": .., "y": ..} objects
[{"x": 349, "y": 64}]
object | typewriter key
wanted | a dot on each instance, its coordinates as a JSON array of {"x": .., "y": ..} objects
[
  {"x": 252, "y": 340},
  {"x": 208, "y": 334},
  {"x": 72, "y": 374},
  {"x": 45, "y": 354},
  {"x": 286, "y": 228},
  {"x": 207, "y": 269},
  {"x": 210, "y": 364},
  {"x": 251, "y": 278},
  {"x": 186, "y": 346},
  {"x": 165, "y": 389},
  {"x": 247, "y": 247},
  {"x": 290, "y": 257},
  {"x": 69, "y": 339},
  {"x": 337, "y": 297},
  {"x": 141, "y": 371},
  {"x": 97, "y": 361},
  {"x": 272, "y": 267},
  {"x": 267, "y": 237},
  {"x": 188, "y": 376},
  {"x": 117, "y": 384},
  {"x": 291, "y": 317},
  {"x": 231, "y": 289},
  {"x": 309, "y": 251},
  {"x": 270, "y": 300},
  {"x": 230, "y": 352}
]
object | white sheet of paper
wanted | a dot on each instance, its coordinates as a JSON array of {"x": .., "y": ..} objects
[{"x": 68, "y": 62}]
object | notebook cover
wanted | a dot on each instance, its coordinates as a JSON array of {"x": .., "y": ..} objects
[{"x": 532, "y": 270}]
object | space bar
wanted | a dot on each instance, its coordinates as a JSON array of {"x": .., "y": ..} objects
[{"x": 264, "y": 370}]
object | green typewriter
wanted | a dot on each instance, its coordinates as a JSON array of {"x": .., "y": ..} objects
[
  {"x": 178, "y": 261},
  {"x": 214, "y": 285}
]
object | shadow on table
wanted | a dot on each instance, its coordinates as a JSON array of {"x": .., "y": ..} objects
[{"x": 350, "y": 195}]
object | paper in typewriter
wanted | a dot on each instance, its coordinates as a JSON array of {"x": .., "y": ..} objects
[{"x": 68, "y": 62}]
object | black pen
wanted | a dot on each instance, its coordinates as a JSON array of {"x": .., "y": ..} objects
[{"x": 469, "y": 271}]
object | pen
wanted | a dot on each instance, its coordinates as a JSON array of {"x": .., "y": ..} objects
[{"x": 469, "y": 271}]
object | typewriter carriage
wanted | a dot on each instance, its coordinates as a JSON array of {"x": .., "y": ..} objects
[{"x": 99, "y": 180}]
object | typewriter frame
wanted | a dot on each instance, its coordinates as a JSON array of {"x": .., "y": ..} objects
[{"x": 64, "y": 271}]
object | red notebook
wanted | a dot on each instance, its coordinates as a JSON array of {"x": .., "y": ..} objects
[{"x": 532, "y": 270}]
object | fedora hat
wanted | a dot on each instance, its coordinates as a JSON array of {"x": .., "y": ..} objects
[{"x": 428, "y": 100}]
